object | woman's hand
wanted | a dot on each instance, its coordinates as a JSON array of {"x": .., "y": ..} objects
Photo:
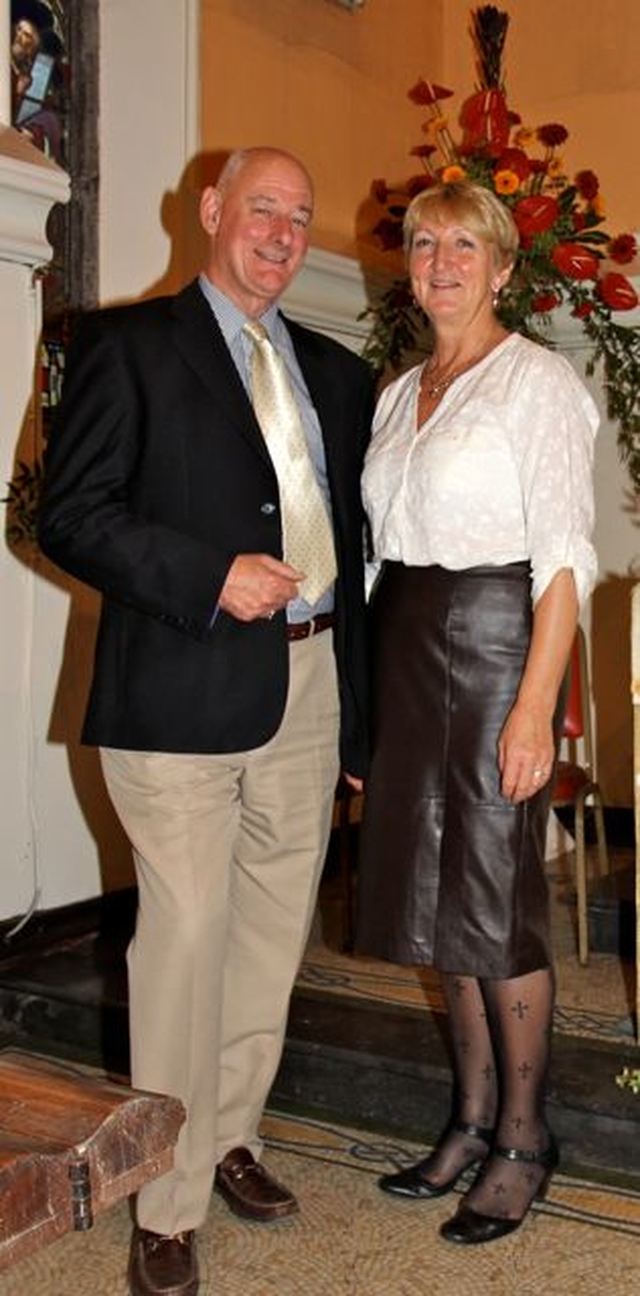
[{"x": 525, "y": 752}]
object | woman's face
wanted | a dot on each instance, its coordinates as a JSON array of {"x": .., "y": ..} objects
[{"x": 453, "y": 272}]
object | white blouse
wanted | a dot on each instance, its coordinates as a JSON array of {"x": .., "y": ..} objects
[{"x": 500, "y": 472}]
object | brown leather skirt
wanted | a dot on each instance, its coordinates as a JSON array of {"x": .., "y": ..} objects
[{"x": 450, "y": 873}]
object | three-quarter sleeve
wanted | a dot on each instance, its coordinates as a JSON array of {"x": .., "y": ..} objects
[{"x": 554, "y": 426}]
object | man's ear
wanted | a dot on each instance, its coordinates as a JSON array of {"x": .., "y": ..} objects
[{"x": 210, "y": 208}]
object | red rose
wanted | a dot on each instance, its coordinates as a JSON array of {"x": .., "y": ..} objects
[
  {"x": 587, "y": 184},
  {"x": 552, "y": 134},
  {"x": 423, "y": 150},
  {"x": 622, "y": 249},
  {"x": 535, "y": 214},
  {"x": 427, "y": 92},
  {"x": 616, "y": 292},
  {"x": 516, "y": 160},
  {"x": 575, "y": 261},
  {"x": 545, "y": 302}
]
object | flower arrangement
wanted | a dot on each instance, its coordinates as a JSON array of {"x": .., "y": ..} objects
[{"x": 564, "y": 250}]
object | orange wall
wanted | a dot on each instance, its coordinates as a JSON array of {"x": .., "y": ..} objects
[
  {"x": 332, "y": 86},
  {"x": 327, "y": 83}
]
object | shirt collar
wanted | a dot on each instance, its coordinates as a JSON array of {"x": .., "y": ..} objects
[{"x": 229, "y": 316}]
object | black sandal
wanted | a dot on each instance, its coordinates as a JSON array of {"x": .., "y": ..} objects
[
  {"x": 414, "y": 1182},
  {"x": 470, "y": 1228}
]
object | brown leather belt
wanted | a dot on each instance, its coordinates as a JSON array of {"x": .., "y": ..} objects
[{"x": 302, "y": 629}]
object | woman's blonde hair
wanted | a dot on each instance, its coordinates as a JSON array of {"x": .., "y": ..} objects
[{"x": 470, "y": 205}]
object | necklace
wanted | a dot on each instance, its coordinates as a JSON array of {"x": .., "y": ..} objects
[{"x": 441, "y": 384}]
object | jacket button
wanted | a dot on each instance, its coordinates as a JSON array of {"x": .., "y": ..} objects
[{"x": 267, "y": 508}]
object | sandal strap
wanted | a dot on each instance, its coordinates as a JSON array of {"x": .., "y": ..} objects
[
  {"x": 482, "y": 1132},
  {"x": 547, "y": 1159}
]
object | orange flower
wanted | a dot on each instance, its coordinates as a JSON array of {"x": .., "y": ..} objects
[
  {"x": 506, "y": 182},
  {"x": 450, "y": 174}
]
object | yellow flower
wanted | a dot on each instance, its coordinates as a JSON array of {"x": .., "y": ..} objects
[
  {"x": 524, "y": 138},
  {"x": 597, "y": 205},
  {"x": 555, "y": 167},
  {"x": 450, "y": 174},
  {"x": 438, "y": 123},
  {"x": 506, "y": 182}
]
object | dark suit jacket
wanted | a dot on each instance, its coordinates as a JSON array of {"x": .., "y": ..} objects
[{"x": 156, "y": 476}]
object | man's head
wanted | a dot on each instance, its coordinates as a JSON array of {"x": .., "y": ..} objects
[{"x": 257, "y": 218}]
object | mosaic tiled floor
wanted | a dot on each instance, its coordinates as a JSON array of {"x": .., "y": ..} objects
[{"x": 350, "y": 1240}]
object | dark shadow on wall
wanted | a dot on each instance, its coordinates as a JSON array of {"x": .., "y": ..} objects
[{"x": 180, "y": 219}]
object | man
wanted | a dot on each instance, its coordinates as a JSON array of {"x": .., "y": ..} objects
[{"x": 223, "y": 700}]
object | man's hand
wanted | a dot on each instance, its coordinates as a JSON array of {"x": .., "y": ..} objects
[{"x": 258, "y": 585}]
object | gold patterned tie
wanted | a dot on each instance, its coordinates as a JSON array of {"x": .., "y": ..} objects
[{"x": 308, "y": 539}]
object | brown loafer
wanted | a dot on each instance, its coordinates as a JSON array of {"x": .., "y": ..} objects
[
  {"x": 250, "y": 1191},
  {"x": 163, "y": 1266}
]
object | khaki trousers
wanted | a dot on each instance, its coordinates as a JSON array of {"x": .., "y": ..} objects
[{"x": 228, "y": 851}]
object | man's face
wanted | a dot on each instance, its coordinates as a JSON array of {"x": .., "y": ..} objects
[{"x": 259, "y": 230}]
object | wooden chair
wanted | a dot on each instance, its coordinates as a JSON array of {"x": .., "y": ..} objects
[{"x": 575, "y": 783}]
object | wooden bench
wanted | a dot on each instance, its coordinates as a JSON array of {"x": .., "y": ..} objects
[{"x": 72, "y": 1143}]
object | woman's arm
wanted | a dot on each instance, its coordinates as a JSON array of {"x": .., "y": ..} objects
[{"x": 526, "y": 742}]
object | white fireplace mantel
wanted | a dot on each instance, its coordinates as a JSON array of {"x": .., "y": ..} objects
[{"x": 29, "y": 186}]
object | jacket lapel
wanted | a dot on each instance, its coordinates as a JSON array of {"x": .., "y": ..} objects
[{"x": 199, "y": 341}]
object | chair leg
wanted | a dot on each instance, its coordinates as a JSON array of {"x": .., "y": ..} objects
[
  {"x": 598, "y": 813},
  {"x": 581, "y": 884}
]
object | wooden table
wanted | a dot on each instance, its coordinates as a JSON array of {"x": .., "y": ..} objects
[{"x": 72, "y": 1143}]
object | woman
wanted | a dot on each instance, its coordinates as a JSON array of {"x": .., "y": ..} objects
[{"x": 478, "y": 488}]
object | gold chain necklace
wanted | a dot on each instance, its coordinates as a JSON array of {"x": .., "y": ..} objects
[{"x": 441, "y": 384}]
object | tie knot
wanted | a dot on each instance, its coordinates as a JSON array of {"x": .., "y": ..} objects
[{"x": 256, "y": 331}]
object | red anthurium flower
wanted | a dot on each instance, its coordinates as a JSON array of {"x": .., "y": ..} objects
[
  {"x": 535, "y": 214},
  {"x": 514, "y": 159},
  {"x": 575, "y": 261},
  {"x": 552, "y": 134},
  {"x": 485, "y": 121},
  {"x": 622, "y": 249},
  {"x": 545, "y": 302},
  {"x": 427, "y": 92},
  {"x": 587, "y": 184},
  {"x": 617, "y": 292}
]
